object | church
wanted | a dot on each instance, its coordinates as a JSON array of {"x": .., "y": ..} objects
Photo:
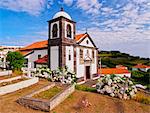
[{"x": 64, "y": 48}]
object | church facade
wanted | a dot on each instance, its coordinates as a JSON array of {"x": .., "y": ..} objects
[{"x": 64, "y": 48}]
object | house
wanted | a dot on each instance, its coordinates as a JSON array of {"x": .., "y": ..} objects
[
  {"x": 64, "y": 48},
  {"x": 3, "y": 54},
  {"x": 141, "y": 67},
  {"x": 115, "y": 71},
  {"x": 121, "y": 67}
]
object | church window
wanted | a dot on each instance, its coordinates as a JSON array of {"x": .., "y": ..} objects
[
  {"x": 54, "y": 31},
  {"x": 39, "y": 56},
  {"x": 68, "y": 31},
  {"x": 93, "y": 53},
  {"x": 81, "y": 53},
  {"x": 87, "y": 42},
  {"x": 69, "y": 55},
  {"x": 26, "y": 62},
  {"x": 87, "y": 52}
]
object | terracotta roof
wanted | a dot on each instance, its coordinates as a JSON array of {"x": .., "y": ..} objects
[
  {"x": 44, "y": 44},
  {"x": 43, "y": 60},
  {"x": 113, "y": 71},
  {"x": 141, "y": 66},
  {"x": 80, "y": 36},
  {"x": 25, "y": 52},
  {"x": 36, "y": 45}
]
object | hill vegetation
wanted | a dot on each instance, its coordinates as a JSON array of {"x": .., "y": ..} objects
[{"x": 113, "y": 58}]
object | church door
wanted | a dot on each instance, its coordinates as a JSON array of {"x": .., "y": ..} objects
[{"x": 87, "y": 69}]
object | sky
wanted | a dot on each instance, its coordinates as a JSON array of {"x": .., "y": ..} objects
[{"x": 122, "y": 25}]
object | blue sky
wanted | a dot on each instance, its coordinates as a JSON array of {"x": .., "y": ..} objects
[{"x": 113, "y": 24}]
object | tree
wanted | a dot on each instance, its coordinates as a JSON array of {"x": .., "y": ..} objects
[{"x": 16, "y": 60}]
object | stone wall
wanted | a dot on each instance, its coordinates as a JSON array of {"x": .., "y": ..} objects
[
  {"x": 57, "y": 99},
  {"x": 16, "y": 86},
  {"x": 2, "y": 73},
  {"x": 10, "y": 79},
  {"x": 45, "y": 105}
]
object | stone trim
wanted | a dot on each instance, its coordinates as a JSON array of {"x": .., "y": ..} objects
[
  {"x": 17, "y": 86},
  {"x": 45, "y": 105},
  {"x": 10, "y": 79},
  {"x": 5, "y": 73}
]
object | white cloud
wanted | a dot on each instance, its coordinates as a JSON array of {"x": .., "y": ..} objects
[
  {"x": 68, "y": 2},
  {"x": 33, "y": 7},
  {"x": 89, "y": 6},
  {"x": 129, "y": 41}
]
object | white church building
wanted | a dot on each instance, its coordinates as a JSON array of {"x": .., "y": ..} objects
[{"x": 64, "y": 48}]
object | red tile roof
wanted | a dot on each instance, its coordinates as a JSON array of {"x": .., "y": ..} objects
[
  {"x": 44, "y": 44},
  {"x": 43, "y": 60},
  {"x": 141, "y": 66},
  {"x": 80, "y": 36},
  {"x": 113, "y": 71},
  {"x": 25, "y": 52},
  {"x": 36, "y": 45}
]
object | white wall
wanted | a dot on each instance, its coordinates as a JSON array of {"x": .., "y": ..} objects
[
  {"x": 19, "y": 85},
  {"x": 81, "y": 67},
  {"x": 3, "y": 73},
  {"x": 122, "y": 75},
  {"x": 54, "y": 57},
  {"x": 94, "y": 65},
  {"x": 84, "y": 42},
  {"x": 34, "y": 56},
  {"x": 70, "y": 63}
]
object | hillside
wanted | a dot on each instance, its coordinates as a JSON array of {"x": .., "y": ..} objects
[{"x": 113, "y": 58}]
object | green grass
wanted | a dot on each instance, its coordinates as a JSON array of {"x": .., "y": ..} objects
[
  {"x": 85, "y": 88},
  {"x": 48, "y": 93}
]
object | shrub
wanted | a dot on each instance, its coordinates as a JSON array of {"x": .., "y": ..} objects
[
  {"x": 85, "y": 88},
  {"x": 62, "y": 75},
  {"x": 116, "y": 86},
  {"x": 142, "y": 98},
  {"x": 17, "y": 72}
]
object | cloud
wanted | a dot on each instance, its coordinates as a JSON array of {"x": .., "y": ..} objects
[
  {"x": 129, "y": 41},
  {"x": 68, "y": 2},
  {"x": 33, "y": 7},
  {"x": 89, "y": 6}
]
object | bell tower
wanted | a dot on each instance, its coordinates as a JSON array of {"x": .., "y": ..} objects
[{"x": 61, "y": 41}]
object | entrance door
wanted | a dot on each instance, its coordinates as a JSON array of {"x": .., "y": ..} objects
[{"x": 87, "y": 72}]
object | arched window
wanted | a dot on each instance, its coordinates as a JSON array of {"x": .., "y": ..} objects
[
  {"x": 69, "y": 55},
  {"x": 93, "y": 54},
  {"x": 81, "y": 53},
  {"x": 68, "y": 31},
  {"x": 54, "y": 31}
]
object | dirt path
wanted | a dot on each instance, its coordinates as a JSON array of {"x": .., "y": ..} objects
[
  {"x": 100, "y": 104},
  {"x": 8, "y": 104}
]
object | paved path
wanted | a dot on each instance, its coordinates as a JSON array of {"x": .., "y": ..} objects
[{"x": 90, "y": 83}]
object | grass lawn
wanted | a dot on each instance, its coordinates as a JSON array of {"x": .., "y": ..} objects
[{"x": 48, "y": 94}]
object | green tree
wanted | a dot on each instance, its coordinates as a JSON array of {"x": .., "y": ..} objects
[{"x": 16, "y": 60}]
